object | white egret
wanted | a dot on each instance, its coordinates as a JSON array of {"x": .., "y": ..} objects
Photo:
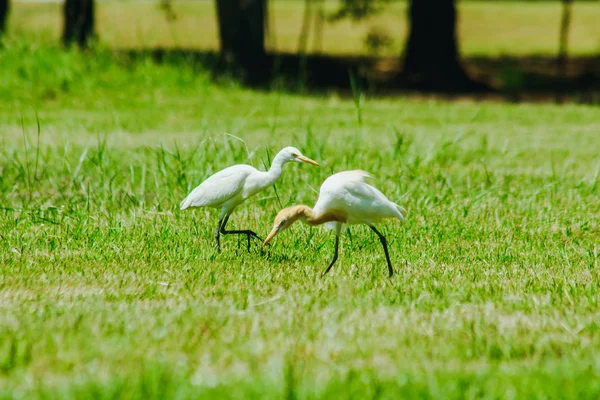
[
  {"x": 344, "y": 197},
  {"x": 231, "y": 186}
]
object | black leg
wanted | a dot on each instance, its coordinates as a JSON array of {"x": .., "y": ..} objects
[
  {"x": 385, "y": 249},
  {"x": 218, "y": 235},
  {"x": 335, "y": 255},
  {"x": 247, "y": 232}
]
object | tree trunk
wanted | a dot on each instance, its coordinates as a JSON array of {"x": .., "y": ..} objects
[
  {"x": 78, "y": 22},
  {"x": 431, "y": 58},
  {"x": 3, "y": 15},
  {"x": 563, "y": 41},
  {"x": 242, "y": 34}
]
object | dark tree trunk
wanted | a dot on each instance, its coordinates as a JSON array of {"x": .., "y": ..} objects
[
  {"x": 431, "y": 58},
  {"x": 3, "y": 15},
  {"x": 565, "y": 24},
  {"x": 78, "y": 22},
  {"x": 242, "y": 34}
]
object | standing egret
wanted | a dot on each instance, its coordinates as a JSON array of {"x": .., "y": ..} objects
[
  {"x": 344, "y": 197},
  {"x": 231, "y": 186}
]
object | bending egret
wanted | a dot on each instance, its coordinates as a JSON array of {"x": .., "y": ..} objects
[
  {"x": 230, "y": 187},
  {"x": 344, "y": 197}
]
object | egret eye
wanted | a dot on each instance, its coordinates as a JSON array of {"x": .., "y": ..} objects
[{"x": 294, "y": 155}]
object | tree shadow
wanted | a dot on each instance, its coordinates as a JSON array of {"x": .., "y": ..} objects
[{"x": 528, "y": 78}]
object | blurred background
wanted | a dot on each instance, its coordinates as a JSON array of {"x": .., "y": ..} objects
[{"x": 521, "y": 50}]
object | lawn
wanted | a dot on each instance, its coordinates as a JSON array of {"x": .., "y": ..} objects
[
  {"x": 485, "y": 28},
  {"x": 108, "y": 290}
]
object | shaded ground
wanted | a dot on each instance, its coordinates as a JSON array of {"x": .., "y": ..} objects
[
  {"x": 488, "y": 28},
  {"x": 535, "y": 78}
]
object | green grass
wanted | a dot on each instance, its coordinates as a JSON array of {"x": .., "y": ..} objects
[
  {"x": 108, "y": 290},
  {"x": 485, "y": 28}
]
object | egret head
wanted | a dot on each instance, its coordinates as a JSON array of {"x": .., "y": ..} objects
[
  {"x": 293, "y": 154},
  {"x": 285, "y": 218}
]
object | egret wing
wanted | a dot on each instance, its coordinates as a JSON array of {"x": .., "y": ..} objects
[
  {"x": 369, "y": 204},
  {"x": 334, "y": 195},
  {"x": 348, "y": 193},
  {"x": 219, "y": 188}
]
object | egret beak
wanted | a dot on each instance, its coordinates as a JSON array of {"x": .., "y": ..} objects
[
  {"x": 271, "y": 235},
  {"x": 307, "y": 160}
]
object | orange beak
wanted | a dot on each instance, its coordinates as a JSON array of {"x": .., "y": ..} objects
[
  {"x": 271, "y": 235},
  {"x": 307, "y": 160}
]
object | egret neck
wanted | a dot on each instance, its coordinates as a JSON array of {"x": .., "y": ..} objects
[
  {"x": 312, "y": 217},
  {"x": 273, "y": 174}
]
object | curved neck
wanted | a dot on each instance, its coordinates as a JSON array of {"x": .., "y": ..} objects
[
  {"x": 276, "y": 168},
  {"x": 308, "y": 215}
]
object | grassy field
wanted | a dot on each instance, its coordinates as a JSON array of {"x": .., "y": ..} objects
[
  {"x": 108, "y": 290},
  {"x": 485, "y": 29}
]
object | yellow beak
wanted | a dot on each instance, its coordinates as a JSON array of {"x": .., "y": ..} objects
[
  {"x": 307, "y": 160},
  {"x": 271, "y": 235}
]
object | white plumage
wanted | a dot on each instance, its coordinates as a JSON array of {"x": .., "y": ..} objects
[
  {"x": 349, "y": 194},
  {"x": 344, "y": 197},
  {"x": 231, "y": 186},
  {"x": 227, "y": 188}
]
